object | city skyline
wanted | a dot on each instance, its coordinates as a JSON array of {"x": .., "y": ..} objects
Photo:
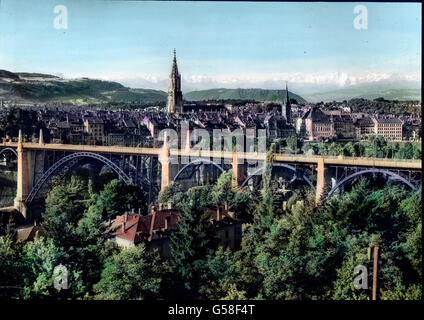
[{"x": 218, "y": 44}]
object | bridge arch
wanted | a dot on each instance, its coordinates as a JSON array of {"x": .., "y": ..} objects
[
  {"x": 262, "y": 169},
  {"x": 9, "y": 149},
  {"x": 50, "y": 172},
  {"x": 359, "y": 173},
  {"x": 198, "y": 161}
]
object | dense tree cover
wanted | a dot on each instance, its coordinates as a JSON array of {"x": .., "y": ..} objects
[
  {"x": 374, "y": 146},
  {"x": 383, "y": 106},
  {"x": 306, "y": 251},
  {"x": 377, "y": 106},
  {"x": 132, "y": 273},
  {"x": 74, "y": 225},
  {"x": 311, "y": 252},
  {"x": 193, "y": 241}
]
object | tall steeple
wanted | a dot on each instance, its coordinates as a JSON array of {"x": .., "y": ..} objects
[
  {"x": 175, "y": 96},
  {"x": 174, "y": 64},
  {"x": 286, "y": 107}
]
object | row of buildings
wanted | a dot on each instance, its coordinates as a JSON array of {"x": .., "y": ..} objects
[
  {"x": 316, "y": 124},
  {"x": 142, "y": 127}
]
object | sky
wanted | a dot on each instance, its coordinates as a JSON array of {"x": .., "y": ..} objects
[{"x": 218, "y": 43}]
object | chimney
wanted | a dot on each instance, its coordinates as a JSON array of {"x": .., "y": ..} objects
[
  {"x": 152, "y": 223},
  {"x": 132, "y": 211},
  {"x": 226, "y": 207},
  {"x": 218, "y": 213},
  {"x": 139, "y": 211},
  {"x": 160, "y": 206},
  {"x": 169, "y": 205},
  {"x": 167, "y": 222}
]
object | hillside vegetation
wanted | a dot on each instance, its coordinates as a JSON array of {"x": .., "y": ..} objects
[
  {"x": 370, "y": 92},
  {"x": 241, "y": 94},
  {"x": 47, "y": 88}
]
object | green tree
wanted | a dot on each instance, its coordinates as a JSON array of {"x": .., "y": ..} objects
[
  {"x": 294, "y": 143},
  {"x": 133, "y": 273},
  {"x": 348, "y": 150},
  {"x": 334, "y": 149},
  {"x": 222, "y": 191},
  {"x": 356, "y": 255},
  {"x": 39, "y": 260},
  {"x": 219, "y": 276},
  {"x": 76, "y": 223},
  {"x": 117, "y": 197},
  {"x": 296, "y": 256},
  {"x": 12, "y": 271},
  {"x": 376, "y": 147},
  {"x": 242, "y": 204},
  {"x": 174, "y": 194},
  {"x": 250, "y": 280},
  {"x": 406, "y": 151},
  {"x": 67, "y": 200},
  {"x": 193, "y": 240}
]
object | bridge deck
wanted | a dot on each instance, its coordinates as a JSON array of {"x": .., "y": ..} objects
[{"x": 254, "y": 156}]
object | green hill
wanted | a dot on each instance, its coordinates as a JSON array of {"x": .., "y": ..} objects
[
  {"x": 28, "y": 87},
  {"x": 240, "y": 94},
  {"x": 367, "y": 92},
  {"x": 37, "y": 87}
]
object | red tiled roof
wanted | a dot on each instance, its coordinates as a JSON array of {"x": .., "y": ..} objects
[{"x": 137, "y": 228}]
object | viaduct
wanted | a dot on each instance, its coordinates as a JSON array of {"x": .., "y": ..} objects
[{"x": 324, "y": 174}]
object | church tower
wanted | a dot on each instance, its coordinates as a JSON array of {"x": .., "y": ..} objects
[
  {"x": 286, "y": 107},
  {"x": 175, "y": 96}
]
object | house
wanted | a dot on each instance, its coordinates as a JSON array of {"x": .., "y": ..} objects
[
  {"x": 343, "y": 126},
  {"x": 364, "y": 126},
  {"x": 154, "y": 230},
  {"x": 388, "y": 127},
  {"x": 315, "y": 124},
  {"x": 95, "y": 128}
]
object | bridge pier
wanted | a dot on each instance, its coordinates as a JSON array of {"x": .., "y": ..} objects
[
  {"x": 321, "y": 185},
  {"x": 25, "y": 176},
  {"x": 165, "y": 162}
]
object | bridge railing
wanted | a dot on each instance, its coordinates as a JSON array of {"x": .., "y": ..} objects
[{"x": 347, "y": 157}]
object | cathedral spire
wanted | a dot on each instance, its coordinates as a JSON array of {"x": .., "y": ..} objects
[
  {"x": 175, "y": 96},
  {"x": 286, "y": 107},
  {"x": 174, "y": 71}
]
